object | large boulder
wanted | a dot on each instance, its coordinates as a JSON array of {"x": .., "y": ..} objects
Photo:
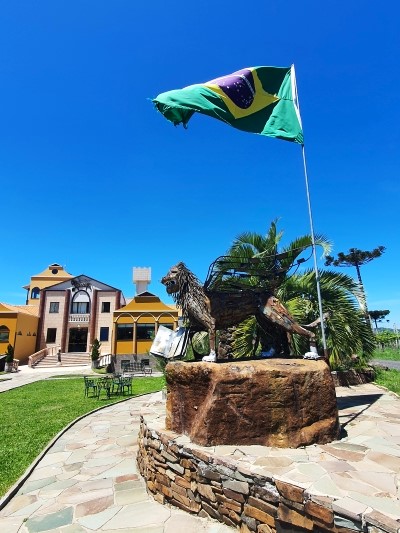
[{"x": 285, "y": 403}]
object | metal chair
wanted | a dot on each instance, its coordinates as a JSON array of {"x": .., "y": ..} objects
[
  {"x": 125, "y": 382},
  {"x": 145, "y": 367},
  {"x": 104, "y": 384},
  {"x": 90, "y": 385},
  {"x": 116, "y": 384}
]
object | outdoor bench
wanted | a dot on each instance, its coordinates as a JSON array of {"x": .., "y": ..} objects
[{"x": 136, "y": 368}]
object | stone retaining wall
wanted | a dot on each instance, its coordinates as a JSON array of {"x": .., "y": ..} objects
[
  {"x": 353, "y": 377},
  {"x": 204, "y": 484}
]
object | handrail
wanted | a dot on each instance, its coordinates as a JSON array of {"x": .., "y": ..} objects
[{"x": 41, "y": 354}]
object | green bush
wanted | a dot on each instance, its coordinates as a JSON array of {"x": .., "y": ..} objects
[
  {"x": 95, "y": 352},
  {"x": 10, "y": 354},
  {"x": 388, "y": 339}
]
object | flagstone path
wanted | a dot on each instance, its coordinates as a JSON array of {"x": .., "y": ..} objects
[{"x": 88, "y": 481}]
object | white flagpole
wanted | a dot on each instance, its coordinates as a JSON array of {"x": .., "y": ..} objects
[{"x": 321, "y": 314}]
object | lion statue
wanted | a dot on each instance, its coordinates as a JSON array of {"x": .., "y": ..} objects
[{"x": 213, "y": 310}]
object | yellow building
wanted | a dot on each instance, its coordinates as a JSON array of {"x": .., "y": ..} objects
[
  {"x": 68, "y": 312},
  {"x": 18, "y": 327},
  {"x": 19, "y": 323},
  {"x": 50, "y": 276},
  {"x": 136, "y": 324},
  {"x": 76, "y": 311}
]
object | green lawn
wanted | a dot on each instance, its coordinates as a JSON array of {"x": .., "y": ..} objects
[
  {"x": 32, "y": 415},
  {"x": 389, "y": 379},
  {"x": 388, "y": 354}
]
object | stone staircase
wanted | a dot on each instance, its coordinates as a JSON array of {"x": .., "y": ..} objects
[{"x": 67, "y": 359}]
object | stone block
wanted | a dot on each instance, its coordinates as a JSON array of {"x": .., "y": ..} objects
[
  {"x": 294, "y": 518},
  {"x": 206, "y": 491},
  {"x": 318, "y": 511},
  {"x": 232, "y": 495},
  {"x": 265, "y": 528},
  {"x": 263, "y": 506},
  {"x": 275, "y": 402},
  {"x": 382, "y": 522},
  {"x": 259, "y": 515},
  {"x": 236, "y": 486},
  {"x": 229, "y": 504},
  {"x": 289, "y": 491},
  {"x": 182, "y": 482}
]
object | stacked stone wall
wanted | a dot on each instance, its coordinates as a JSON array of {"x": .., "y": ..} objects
[{"x": 202, "y": 483}]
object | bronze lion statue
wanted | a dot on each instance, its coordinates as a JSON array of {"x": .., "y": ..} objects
[{"x": 216, "y": 310}]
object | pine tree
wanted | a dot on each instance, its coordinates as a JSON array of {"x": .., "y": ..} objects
[
  {"x": 10, "y": 354},
  {"x": 356, "y": 258},
  {"x": 95, "y": 353}
]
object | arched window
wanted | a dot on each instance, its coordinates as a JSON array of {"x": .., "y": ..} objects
[
  {"x": 80, "y": 304},
  {"x": 4, "y": 334},
  {"x": 35, "y": 293}
]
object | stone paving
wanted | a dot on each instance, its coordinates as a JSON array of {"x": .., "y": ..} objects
[
  {"x": 360, "y": 472},
  {"x": 88, "y": 480}
]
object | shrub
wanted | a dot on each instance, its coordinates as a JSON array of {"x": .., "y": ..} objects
[
  {"x": 10, "y": 354},
  {"x": 95, "y": 352}
]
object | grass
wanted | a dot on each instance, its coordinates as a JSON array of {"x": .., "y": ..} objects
[
  {"x": 389, "y": 379},
  {"x": 388, "y": 354},
  {"x": 32, "y": 415}
]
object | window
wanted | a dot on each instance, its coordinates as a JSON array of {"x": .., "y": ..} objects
[
  {"x": 105, "y": 307},
  {"x": 145, "y": 332},
  {"x": 54, "y": 307},
  {"x": 35, "y": 293},
  {"x": 103, "y": 334},
  {"x": 4, "y": 334},
  {"x": 80, "y": 308},
  {"x": 124, "y": 332},
  {"x": 169, "y": 326},
  {"x": 51, "y": 335}
]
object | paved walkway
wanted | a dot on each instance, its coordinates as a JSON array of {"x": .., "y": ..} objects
[
  {"x": 395, "y": 365},
  {"x": 27, "y": 375},
  {"x": 88, "y": 480}
]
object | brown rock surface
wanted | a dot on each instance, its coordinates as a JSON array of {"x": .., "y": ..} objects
[{"x": 274, "y": 402}]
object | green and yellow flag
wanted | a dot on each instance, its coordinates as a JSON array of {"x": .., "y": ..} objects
[{"x": 259, "y": 100}]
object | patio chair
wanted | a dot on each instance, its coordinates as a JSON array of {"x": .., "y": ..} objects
[
  {"x": 145, "y": 367},
  {"x": 125, "y": 383},
  {"x": 104, "y": 384},
  {"x": 90, "y": 385},
  {"x": 116, "y": 384}
]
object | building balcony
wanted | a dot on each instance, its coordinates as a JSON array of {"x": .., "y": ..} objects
[{"x": 79, "y": 318}]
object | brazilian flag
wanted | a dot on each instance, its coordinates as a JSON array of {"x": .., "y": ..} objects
[{"x": 259, "y": 100}]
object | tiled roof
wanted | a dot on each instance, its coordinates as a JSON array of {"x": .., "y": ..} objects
[{"x": 28, "y": 309}]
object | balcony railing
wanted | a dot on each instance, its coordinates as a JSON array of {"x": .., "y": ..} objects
[{"x": 79, "y": 318}]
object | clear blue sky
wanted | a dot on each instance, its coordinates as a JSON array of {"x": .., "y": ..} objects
[{"x": 95, "y": 179}]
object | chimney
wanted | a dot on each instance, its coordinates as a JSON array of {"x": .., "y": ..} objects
[{"x": 142, "y": 278}]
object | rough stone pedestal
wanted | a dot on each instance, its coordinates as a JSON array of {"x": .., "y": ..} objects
[{"x": 285, "y": 403}]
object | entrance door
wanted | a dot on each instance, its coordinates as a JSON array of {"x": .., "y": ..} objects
[{"x": 77, "y": 340}]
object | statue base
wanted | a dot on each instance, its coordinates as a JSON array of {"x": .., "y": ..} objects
[{"x": 284, "y": 403}]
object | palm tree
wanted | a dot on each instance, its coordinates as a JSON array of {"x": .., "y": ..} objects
[
  {"x": 347, "y": 333},
  {"x": 278, "y": 270},
  {"x": 272, "y": 267}
]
